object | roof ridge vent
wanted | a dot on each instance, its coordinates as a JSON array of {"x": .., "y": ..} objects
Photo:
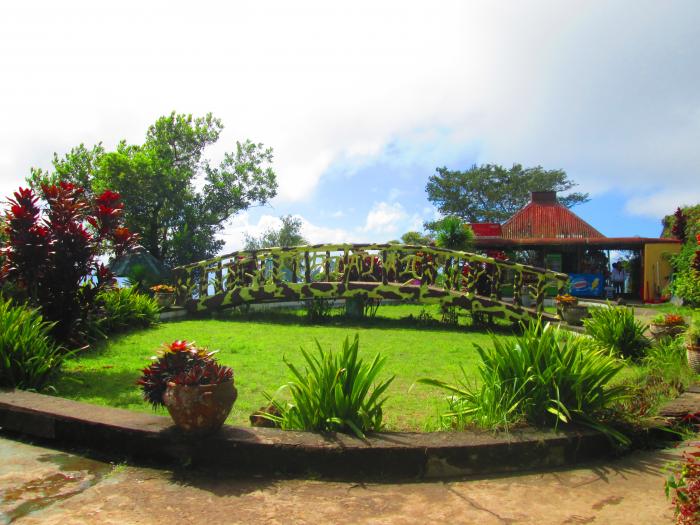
[{"x": 544, "y": 197}]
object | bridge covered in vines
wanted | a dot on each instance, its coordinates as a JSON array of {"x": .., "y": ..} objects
[{"x": 376, "y": 272}]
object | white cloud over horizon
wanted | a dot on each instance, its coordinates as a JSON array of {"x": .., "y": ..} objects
[{"x": 607, "y": 91}]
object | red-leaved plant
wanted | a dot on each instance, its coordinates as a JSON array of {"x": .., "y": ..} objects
[
  {"x": 686, "y": 490},
  {"x": 182, "y": 363},
  {"x": 53, "y": 256}
]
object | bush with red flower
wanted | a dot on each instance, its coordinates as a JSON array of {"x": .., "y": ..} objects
[
  {"x": 182, "y": 363},
  {"x": 52, "y": 254},
  {"x": 685, "y": 487}
]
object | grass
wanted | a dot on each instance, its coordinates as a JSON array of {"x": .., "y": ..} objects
[{"x": 254, "y": 346}]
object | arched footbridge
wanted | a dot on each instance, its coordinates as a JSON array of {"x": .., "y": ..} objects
[{"x": 479, "y": 284}]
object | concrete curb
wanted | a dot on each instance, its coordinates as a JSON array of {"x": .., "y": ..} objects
[{"x": 119, "y": 433}]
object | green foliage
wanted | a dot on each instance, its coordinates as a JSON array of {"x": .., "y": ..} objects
[
  {"x": 544, "y": 377},
  {"x": 288, "y": 235},
  {"x": 177, "y": 221},
  {"x": 416, "y": 238},
  {"x": 615, "y": 329},
  {"x": 124, "y": 308},
  {"x": 335, "y": 392},
  {"x": 452, "y": 233},
  {"x": 28, "y": 354},
  {"x": 318, "y": 308},
  {"x": 492, "y": 193}
]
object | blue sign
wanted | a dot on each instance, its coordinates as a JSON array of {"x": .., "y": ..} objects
[{"x": 586, "y": 284}]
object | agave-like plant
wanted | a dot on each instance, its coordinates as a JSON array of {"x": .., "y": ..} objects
[
  {"x": 615, "y": 329},
  {"x": 544, "y": 377},
  {"x": 29, "y": 356},
  {"x": 335, "y": 392}
]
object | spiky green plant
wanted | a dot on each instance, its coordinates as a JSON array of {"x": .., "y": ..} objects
[
  {"x": 28, "y": 354},
  {"x": 544, "y": 377},
  {"x": 335, "y": 392},
  {"x": 123, "y": 308},
  {"x": 615, "y": 329}
]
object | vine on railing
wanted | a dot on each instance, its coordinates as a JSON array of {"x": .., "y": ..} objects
[{"x": 385, "y": 264}]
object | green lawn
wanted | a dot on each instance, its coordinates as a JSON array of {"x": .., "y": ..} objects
[{"x": 255, "y": 344}]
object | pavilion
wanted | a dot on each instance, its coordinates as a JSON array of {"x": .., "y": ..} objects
[{"x": 547, "y": 234}]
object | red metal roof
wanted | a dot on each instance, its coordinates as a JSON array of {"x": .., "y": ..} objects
[
  {"x": 612, "y": 243},
  {"x": 545, "y": 218}
]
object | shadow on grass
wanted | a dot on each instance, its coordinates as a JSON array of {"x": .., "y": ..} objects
[
  {"x": 103, "y": 385},
  {"x": 286, "y": 317}
]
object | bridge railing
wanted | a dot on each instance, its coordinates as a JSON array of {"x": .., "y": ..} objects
[{"x": 389, "y": 264}]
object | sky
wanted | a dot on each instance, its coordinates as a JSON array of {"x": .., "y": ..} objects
[{"x": 362, "y": 101}]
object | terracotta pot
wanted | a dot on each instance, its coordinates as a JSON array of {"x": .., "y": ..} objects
[
  {"x": 164, "y": 299},
  {"x": 574, "y": 315},
  {"x": 199, "y": 409},
  {"x": 659, "y": 331},
  {"x": 693, "y": 353}
]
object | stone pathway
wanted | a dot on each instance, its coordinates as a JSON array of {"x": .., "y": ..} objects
[{"x": 42, "y": 486}]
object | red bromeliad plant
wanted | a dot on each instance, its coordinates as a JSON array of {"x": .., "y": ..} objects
[
  {"x": 686, "y": 490},
  {"x": 181, "y": 363},
  {"x": 53, "y": 257}
]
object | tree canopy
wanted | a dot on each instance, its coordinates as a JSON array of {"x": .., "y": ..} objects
[
  {"x": 174, "y": 198},
  {"x": 492, "y": 193},
  {"x": 289, "y": 234}
]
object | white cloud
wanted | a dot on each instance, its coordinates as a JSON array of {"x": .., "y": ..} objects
[
  {"x": 663, "y": 202},
  {"x": 235, "y": 231},
  {"x": 605, "y": 90},
  {"x": 385, "y": 218}
]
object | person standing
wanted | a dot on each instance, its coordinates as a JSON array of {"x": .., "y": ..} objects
[{"x": 618, "y": 278}]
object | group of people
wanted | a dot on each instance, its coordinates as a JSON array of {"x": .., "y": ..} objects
[{"x": 618, "y": 276}]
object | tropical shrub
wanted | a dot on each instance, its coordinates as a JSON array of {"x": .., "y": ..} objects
[
  {"x": 335, "y": 392},
  {"x": 53, "y": 256},
  {"x": 124, "y": 308},
  {"x": 28, "y": 354},
  {"x": 686, "y": 490},
  {"x": 615, "y": 329},
  {"x": 182, "y": 363},
  {"x": 318, "y": 308},
  {"x": 663, "y": 374},
  {"x": 544, "y": 377}
]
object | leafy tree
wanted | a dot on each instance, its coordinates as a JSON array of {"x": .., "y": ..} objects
[
  {"x": 289, "y": 234},
  {"x": 416, "y": 238},
  {"x": 492, "y": 193},
  {"x": 173, "y": 197},
  {"x": 684, "y": 224}
]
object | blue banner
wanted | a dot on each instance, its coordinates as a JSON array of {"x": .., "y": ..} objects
[{"x": 586, "y": 284}]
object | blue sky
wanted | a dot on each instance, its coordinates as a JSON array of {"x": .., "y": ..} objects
[{"x": 361, "y": 102}]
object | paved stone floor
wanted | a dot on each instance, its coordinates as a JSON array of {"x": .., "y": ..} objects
[{"x": 40, "y": 485}]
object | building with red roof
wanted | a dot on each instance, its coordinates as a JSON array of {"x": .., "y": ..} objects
[{"x": 546, "y": 233}]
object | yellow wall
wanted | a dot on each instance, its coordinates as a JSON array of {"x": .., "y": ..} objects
[{"x": 656, "y": 268}]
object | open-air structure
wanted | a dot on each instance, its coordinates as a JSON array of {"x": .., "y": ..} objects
[{"x": 547, "y": 234}]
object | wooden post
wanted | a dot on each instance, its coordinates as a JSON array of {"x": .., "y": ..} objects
[
  {"x": 385, "y": 274},
  {"x": 219, "y": 283},
  {"x": 307, "y": 268},
  {"x": 203, "y": 281}
]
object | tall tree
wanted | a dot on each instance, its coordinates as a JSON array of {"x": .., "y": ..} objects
[
  {"x": 174, "y": 198},
  {"x": 289, "y": 234},
  {"x": 492, "y": 193}
]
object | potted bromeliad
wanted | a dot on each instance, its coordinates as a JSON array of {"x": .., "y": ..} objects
[
  {"x": 197, "y": 391},
  {"x": 164, "y": 294},
  {"x": 692, "y": 337},
  {"x": 668, "y": 325},
  {"x": 569, "y": 309}
]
